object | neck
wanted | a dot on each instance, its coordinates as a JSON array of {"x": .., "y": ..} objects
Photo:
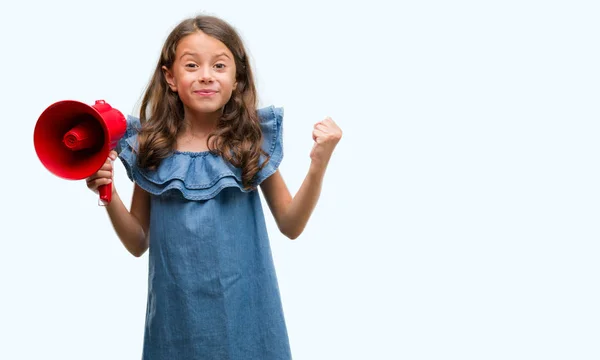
[{"x": 201, "y": 123}]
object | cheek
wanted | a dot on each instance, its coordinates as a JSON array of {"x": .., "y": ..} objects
[
  {"x": 185, "y": 80},
  {"x": 227, "y": 83},
  {"x": 228, "y": 80}
]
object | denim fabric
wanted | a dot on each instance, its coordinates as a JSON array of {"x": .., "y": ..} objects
[{"x": 212, "y": 287}]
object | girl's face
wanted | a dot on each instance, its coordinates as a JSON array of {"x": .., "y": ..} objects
[{"x": 203, "y": 73}]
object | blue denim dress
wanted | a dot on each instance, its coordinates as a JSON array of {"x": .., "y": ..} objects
[{"x": 212, "y": 288}]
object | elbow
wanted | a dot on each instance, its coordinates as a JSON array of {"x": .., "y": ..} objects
[
  {"x": 137, "y": 254},
  {"x": 291, "y": 234},
  {"x": 138, "y": 251},
  {"x": 290, "y": 227}
]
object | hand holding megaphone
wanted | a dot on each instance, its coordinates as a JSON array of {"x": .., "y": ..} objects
[
  {"x": 73, "y": 140},
  {"x": 103, "y": 177}
]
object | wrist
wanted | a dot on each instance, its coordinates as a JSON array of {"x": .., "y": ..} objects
[
  {"x": 114, "y": 199},
  {"x": 317, "y": 168}
]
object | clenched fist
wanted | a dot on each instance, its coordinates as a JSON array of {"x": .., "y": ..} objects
[{"x": 326, "y": 135}]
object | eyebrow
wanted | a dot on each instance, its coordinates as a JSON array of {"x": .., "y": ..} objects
[
  {"x": 194, "y": 54},
  {"x": 223, "y": 54}
]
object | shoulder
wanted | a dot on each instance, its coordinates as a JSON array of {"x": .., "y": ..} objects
[
  {"x": 270, "y": 112},
  {"x": 271, "y": 124}
]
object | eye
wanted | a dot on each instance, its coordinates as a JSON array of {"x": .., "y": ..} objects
[
  {"x": 190, "y": 65},
  {"x": 220, "y": 66}
]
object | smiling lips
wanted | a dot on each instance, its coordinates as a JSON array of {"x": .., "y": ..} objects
[{"x": 205, "y": 92}]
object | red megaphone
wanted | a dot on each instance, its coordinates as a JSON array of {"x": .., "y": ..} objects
[{"x": 73, "y": 139}]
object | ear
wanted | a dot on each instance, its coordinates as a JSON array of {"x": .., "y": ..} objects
[{"x": 169, "y": 78}]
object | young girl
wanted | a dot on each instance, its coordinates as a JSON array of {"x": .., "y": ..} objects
[{"x": 197, "y": 154}]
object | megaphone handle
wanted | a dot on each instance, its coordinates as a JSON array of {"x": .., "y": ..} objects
[{"x": 105, "y": 194}]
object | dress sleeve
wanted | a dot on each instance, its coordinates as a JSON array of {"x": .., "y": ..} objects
[
  {"x": 271, "y": 123},
  {"x": 127, "y": 146}
]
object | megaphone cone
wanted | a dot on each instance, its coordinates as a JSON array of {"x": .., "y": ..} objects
[{"x": 73, "y": 139}]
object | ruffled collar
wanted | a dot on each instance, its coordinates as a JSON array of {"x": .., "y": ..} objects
[{"x": 200, "y": 175}]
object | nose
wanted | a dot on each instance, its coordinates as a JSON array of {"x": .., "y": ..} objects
[{"x": 205, "y": 75}]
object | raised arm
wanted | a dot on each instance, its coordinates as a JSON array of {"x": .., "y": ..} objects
[{"x": 292, "y": 214}]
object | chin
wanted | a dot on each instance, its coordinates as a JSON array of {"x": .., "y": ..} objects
[{"x": 206, "y": 108}]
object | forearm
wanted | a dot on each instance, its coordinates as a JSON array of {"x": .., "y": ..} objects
[
  {"x": 128, "y": 228},
  {"x": 304, "y": 202}
]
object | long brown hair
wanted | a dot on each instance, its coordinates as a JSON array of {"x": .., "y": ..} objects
[{"x": 237, "y": 137}]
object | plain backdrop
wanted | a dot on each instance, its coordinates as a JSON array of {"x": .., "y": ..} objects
[{"x": 459, "y": 214}]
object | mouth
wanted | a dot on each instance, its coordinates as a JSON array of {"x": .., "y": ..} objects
[{"x": 205, "y": 92}]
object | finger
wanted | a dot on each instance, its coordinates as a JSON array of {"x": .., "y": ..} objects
[
  {"x": 98, "y": 182},
  {"x": 318, "y": 136},
  {"x": 321, "y": 127},
  {"x": 108, "y": 166},
  {"x": 113, "y": 155},
  {"x": 90, "y": 183},
  {"x": 100, "y": 174},
  {"x": 110, "y": 158},
  {"x": 318, "y": 132}
]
